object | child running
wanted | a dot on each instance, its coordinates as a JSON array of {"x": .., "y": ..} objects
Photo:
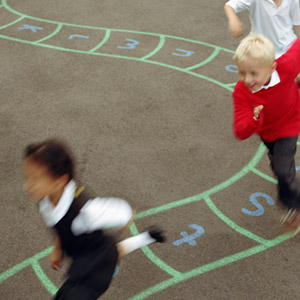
[
  {"x": 266, "y": 102},
  {"x": 275, "y": 19},
  {"x": 79, "y": 221}
]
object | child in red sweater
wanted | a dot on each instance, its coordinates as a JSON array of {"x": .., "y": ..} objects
[{"x": 267, "y": 102}]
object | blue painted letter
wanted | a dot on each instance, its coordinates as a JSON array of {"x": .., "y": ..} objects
[
  {"x": 232, "y": 68},
  {"x": 79, "y": 36},
  {"x": 184, "y": 53},
  {"x": 260, "y": 210},
  {"x": 32, "y": 28}
]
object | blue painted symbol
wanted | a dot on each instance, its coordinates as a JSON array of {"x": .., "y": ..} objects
[
  {"x": 78, "y": 36},
  {"x": 116, "y": 271},
  {"x": 260, "y": 209},
  {"x": 298, "y": 168},
  {"x": 185, "y": 53},
  {"x": 232, "y": 68},
  {"x": 131, "y": 45},
  {"x": 190, "y": 239},
  {"x": 30, "y": 27}
]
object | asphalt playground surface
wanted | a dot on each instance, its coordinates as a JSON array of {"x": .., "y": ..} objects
[{"x": 141, "y": 91}]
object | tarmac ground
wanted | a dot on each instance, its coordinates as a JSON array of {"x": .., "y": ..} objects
[{"x": 141, "y": 91}]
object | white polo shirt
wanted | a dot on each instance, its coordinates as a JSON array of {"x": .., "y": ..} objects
[
  {"x": 98, "y": 213},
  {"x": 274, "y": 22}
]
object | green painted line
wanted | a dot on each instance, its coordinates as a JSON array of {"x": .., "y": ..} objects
[
  {"x": 162, "y": 265},
  {"x": 206, "y": 61},
  {"x": 11, "y": 23},
  {"x": 27, "y": 262},
  {"x": 298, "y": 143},
  {"x": 4, "y": 3},
  {"x": 120, "y": 57},
  {"x": 156, "y": 210},
  {"x": 264, "y": 176},
  {"x": 56, "y": 31},
  {"x": 209, "y": 267},
  {"x": 231, "y": 224},
  {"x": 177, "y": 276},
  {"x": 52, "y": 289},
  {"x": 105, "y": 39},
  {"x": 232, "y": 84},
  {"x": 254, "y": 161},
  {"x": 159, "y": 46}
]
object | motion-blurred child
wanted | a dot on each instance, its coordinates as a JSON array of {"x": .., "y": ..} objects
[
  {"x": 266, "y": 102},
  {"x": 79, "y": 221}
]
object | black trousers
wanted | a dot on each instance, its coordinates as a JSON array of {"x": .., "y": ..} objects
[
  {"x": 282, "y": 160},
  {"x": 89, "y": 276}
]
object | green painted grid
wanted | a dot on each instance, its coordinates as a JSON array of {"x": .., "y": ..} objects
[
  {"x": 56, "y": 31},
  {"x": 231, "y": 224},
  {"x": 12, "y": 23},
  {"x": 209, "y": 59},
  {"x": 105, "y": 39},
  {"x": 159, "y": 46},
  {"x": 264, "y": 176},
  {"x": 177, "y": 276},
  {"x": 52, "y": 289}
]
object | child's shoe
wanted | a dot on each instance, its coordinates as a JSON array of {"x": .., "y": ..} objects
[
  {"x": 287, "y": 215},
  {"x": 157, "y": 234},
  {"x": 291, "y": 220}
]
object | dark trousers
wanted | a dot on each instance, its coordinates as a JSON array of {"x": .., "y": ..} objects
[
  {"x": 89, "y": 275},
  {"x": 282, "y": 160}
]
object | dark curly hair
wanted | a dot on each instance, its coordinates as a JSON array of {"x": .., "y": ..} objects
[{"x": 54, "y": 154}]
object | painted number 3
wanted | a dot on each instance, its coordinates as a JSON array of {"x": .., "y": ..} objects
[
  {"x": 260, "y": 209},
  {"x": 131, "y": 45}
]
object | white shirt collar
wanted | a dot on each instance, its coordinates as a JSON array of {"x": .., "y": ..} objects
[
  {"x": 275, "y": 79},
  {"x": 53, "y": 214}
]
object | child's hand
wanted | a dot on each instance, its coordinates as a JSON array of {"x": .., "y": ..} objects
[
  {"x": 256, "y": 112},
  {"x": 56, "y": 258},
  {"x": 235, "y": 27}
]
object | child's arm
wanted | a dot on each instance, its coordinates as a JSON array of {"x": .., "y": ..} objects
[
  {"x": 246, "y": 120},
  {"x": 56, "y": 255},
  {"x": 297, "y": 30},
  {"x": 295, "y": 16},
  {"x": 234, "y": 24},
  {"x": 291, "y": 60},
  {"x": 102, "y": 213}
]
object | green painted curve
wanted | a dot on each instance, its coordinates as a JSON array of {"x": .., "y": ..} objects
[
  {"x": 108, "y": 31},
  {"x": 209, "y": 267},
  {"x": 176, "y": 275}
]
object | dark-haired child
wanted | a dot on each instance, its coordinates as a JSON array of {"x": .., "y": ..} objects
[{"x": 79, "y": 221}]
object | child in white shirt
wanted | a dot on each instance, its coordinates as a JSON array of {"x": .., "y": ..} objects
[
  {"x": 275, "y": 19},
  {"x": 79, "y": 220}
]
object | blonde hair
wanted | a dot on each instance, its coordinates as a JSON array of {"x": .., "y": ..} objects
[{"x": 255, "y": 46}]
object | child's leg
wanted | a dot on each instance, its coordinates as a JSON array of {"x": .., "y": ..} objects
[
  {"x": 283, "y": 165},
  {"x": 77, "y": 291},
  {"x": 143, "y": 239}
]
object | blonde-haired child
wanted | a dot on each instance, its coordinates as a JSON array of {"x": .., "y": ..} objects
[{"x": 266, "y": 102}]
